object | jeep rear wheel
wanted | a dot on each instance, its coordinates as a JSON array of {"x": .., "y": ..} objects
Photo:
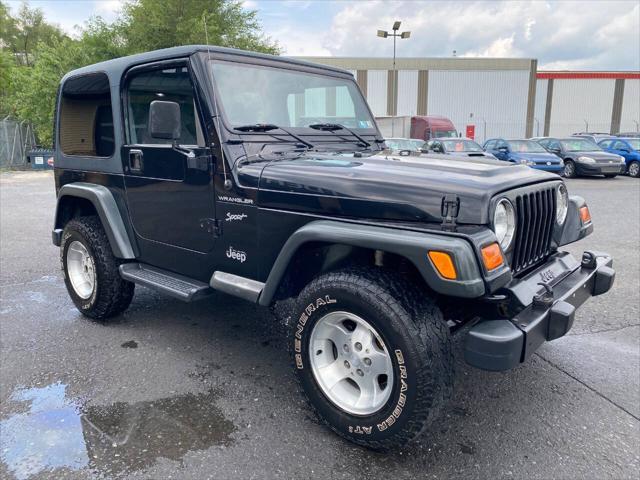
[
  {"x": 372, "y": 355},
  {"x": 91, "y": 271}
]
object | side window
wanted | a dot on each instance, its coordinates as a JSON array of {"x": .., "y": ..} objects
[
  {"x": 544, "y": 143},
  {"x": 168, "y": 84},
  {"x": 490, "y": 145},
  {"x": 85, "y": 125},
  {"x": 501, "y": 144},
  {"x": 555, "y": 144},
  {"x": 618, "y": 145},
  {"x": 606, "y": 144}
]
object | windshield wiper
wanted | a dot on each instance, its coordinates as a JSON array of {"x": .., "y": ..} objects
[
  {"x": 332, "y": 127},
  {"x": 267, "y": 127}
]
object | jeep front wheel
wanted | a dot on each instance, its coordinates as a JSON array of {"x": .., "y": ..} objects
[
  {"x": 91, "y": 271},
  {"x": 372, "y": 355}
]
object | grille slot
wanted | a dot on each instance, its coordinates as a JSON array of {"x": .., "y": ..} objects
[{"x": 535, "y": 216}]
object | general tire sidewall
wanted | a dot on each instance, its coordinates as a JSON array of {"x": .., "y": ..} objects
[
  {"x": 70, "y": 235},
  {"x": 393, "y": 416}
]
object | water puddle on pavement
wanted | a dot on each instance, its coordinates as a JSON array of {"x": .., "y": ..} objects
[{"x": 58, "y": 432}]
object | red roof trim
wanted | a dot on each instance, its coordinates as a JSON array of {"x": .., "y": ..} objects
[{"x": 589, "y": 75}]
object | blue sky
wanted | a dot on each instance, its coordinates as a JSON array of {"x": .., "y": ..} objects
[{"x": 580, "y": 35}]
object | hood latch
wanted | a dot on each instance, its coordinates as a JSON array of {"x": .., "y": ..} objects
[{"x": 449, "y": 211}]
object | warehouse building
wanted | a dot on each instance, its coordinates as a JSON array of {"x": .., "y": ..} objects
[{"x": 505, "y": 97}]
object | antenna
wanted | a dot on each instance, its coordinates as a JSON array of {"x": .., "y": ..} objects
[{"x": 227, "y": 182}]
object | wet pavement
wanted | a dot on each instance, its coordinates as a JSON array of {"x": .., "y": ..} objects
[{"x": 205, "y": 390}]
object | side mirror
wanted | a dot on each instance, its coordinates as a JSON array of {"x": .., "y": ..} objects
[
  {"x": 503, "y": 149},
  {"x": 164, "y": 120}
]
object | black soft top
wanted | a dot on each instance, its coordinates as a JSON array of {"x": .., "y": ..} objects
[{"x": 116, "y": 67}]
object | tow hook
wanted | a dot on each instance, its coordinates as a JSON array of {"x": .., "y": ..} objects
[
  {"x": 543, "y": 300},
  {"x": 590, "y": 259}
]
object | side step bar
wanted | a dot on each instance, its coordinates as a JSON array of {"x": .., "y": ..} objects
[
  {"x": 177, "y": 286},
  {"x": 237, "y": 286}
]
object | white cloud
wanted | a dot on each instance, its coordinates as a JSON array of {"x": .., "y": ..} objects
[
  {"x": 566, "y": 34},
  {"x": 108, "y": 7}
]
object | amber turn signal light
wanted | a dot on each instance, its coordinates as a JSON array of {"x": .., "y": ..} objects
[
  {"x": 585, "y": 215},
  {"x": 444, "y": 264},
  {"x": 492, "y": 256}
]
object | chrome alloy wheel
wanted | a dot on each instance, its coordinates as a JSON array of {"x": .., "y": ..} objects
[
  {"x": 350, "y": 363},
  {"x": 81, "y": 269},
  {"x": 569, "y": 169}
]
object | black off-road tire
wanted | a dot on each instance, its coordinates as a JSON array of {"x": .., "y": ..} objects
[
  {"x": 634, "y": 169},
  {"x": 569, "y": 169},
  {"x": 415, "y": 334},
  {"x": 112, "y": 294}
]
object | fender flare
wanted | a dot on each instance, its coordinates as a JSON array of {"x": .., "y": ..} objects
[
  {"x": 107, "y": 208},
  {"x": 573, "y": 228},
  {"x": 412, "y": 245}
]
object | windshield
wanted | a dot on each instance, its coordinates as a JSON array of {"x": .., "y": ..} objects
[
  {"x": 635, "y": 143},
  {"x": 404, "y": 144},
  {"x": 461, "y": 146},
  {"x": 579, "y": 145},
  {"x": 445, "y": 134},
  {"x": 526, "y": 146},
  {"x": 251, "y": 94}
]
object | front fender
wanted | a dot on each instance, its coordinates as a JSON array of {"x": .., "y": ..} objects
[
  {"x": 573, "y": 228},
  {"x": 104, "y": 203},
  {"x": 412, "y": 245}
]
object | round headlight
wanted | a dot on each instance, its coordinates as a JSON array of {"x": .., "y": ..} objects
[
  {"x": 504, "y": 223},
  {"x": 562, "y": 203}
]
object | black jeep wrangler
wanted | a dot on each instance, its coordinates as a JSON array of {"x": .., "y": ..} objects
[{"x": 194, "y": 169}]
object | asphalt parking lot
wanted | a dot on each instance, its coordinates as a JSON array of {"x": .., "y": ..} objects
[{"x": 205, "y": 390}]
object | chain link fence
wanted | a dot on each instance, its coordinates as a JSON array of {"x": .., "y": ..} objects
[{"x": 16, "y": 139}]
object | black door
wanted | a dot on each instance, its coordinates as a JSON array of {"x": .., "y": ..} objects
[{"x": 169, "y": 189}]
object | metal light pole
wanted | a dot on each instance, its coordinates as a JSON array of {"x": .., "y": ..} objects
[{"x": 394, "y": 86}]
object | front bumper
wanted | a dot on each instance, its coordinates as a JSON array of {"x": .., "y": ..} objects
[
  {"x": 548, "y": 298},
  {"x": 555, "y": 167},
  {"x": 599, "y": 168}
]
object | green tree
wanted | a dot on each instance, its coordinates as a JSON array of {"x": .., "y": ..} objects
[
  {"x": 22, "y": 33},
  {"x": 153, "y": 24}
]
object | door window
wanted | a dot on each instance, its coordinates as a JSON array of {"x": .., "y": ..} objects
[{"x": 167, "y": 84}]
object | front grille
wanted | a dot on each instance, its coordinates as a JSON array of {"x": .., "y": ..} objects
[{"x": 535, "y": 218}]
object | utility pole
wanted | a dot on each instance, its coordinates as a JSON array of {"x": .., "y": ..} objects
[{"x": 394, "y": 86}]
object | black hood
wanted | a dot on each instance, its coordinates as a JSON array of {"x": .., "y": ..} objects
[
  {"x": 598, "y": 155},
  {"x": 404, "y": 188}
]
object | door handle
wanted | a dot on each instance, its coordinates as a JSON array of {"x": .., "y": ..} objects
[{"x": 135, "y": 160}]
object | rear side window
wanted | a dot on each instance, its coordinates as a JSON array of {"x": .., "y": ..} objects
[
  {"x": 168, "y": 84},
  {"x": 85, "y": 125}
]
